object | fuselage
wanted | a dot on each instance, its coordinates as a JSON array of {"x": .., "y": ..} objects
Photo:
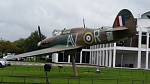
[{"x": 81, "y": 36}]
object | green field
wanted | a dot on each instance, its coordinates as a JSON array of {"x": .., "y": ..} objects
[{"x": 35, "y": 74}]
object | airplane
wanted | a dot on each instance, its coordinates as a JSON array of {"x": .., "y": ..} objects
[{"x": 71, "y": 41}]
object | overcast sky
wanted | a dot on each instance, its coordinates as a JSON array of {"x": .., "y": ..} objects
[{"x": 18, "y": 18}]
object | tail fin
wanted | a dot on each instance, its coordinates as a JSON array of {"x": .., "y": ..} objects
[{"x": 126, "y": 19}]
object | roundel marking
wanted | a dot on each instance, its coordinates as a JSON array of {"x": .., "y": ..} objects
[{"x": 88, "y": 38}]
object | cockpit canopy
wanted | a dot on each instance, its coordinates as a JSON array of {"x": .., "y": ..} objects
[
  {"x": 61, "y": 32},
  {"x": 56, "y": 32}
]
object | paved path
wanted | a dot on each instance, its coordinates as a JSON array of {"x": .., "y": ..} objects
[
  {"x": 60, "y": 64},
  {"x": 53, "y": 64}
]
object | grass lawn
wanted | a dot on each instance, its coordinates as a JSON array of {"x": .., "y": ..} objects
[{"x": 36, "y": 74}]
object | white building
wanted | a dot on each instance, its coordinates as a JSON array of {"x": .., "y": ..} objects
[{"x": 133, "y": 52}]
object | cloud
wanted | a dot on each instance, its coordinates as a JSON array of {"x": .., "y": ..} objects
[{"x": 18, "y": 18}]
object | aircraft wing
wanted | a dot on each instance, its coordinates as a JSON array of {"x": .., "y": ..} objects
[
  {"x": 54, "y": 49},
  {"x": 116, "y": 29}
]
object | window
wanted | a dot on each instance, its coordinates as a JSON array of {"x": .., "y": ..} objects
[{"x": 143, "y": 38}]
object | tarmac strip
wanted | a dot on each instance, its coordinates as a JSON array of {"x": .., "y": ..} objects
[{"x": 53, "y": 64}]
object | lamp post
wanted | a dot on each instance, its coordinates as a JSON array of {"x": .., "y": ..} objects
[
  {"x": 121, "y": 60},
  {"x": 98, "y": 66},
  {"x": 47, "y": 68}
]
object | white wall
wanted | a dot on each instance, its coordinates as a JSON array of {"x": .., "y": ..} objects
[{"x": 55, "y": 57}]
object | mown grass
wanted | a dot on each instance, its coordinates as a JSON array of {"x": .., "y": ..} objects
[{"x": 36, "y": 74}]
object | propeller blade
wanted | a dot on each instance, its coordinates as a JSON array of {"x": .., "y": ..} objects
[
  {"x": 83, "y": 23},
  {"x": 40, "y": 36}
]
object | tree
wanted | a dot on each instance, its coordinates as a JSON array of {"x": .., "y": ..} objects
[
  {"x": 7, "y": 47},
  {"x": 2, "y": 47},
  {"x": 20, "y": 46},
  {"x": 32, "y": 41}
]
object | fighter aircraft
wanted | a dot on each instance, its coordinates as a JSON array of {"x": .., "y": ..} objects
[{"x": 71, "y": 41}]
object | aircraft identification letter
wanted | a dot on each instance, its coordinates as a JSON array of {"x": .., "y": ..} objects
[
  {"x": 72, "y": 39},
  {"x": 96, "y": 35},
  {"x": 109, "y": 36}
]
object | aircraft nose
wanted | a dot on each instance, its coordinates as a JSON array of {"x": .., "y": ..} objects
[{"x": 39, "y": 44}]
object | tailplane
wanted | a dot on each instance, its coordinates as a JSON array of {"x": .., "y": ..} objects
[{"x": 125, "y": 19}]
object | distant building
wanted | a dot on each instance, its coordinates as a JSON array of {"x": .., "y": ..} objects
[{"x": 133, "y": 52}]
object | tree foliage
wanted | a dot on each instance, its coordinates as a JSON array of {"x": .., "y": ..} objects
[
  {"x": 32, "y": 41},
  {"x": 7, "y": 46},
  {"x": 21, "y": 45}
]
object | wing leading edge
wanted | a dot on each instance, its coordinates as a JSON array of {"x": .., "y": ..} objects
[{"x": 54, "y": 49}]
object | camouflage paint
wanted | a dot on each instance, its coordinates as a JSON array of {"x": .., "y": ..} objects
[{"x": 89, "y": 36}]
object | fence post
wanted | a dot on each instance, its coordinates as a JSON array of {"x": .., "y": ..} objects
[
  {"x": 28, "y": 68},
  {"x": 12, "y": 72},
  {"x": 143, "y": 81},
  {"x": 68, "y": 80},
  {"x": 131, "y": 72},
  {"x": 24, "y": 80},
  {"x": 1, "y": 79},
  {"x": 117, "y": 81},
  {"x": 78, "y": 80},
  {"x": 64, "y": 70},
  {"x": 132, "y": 81},
  {"x": 146, "y": 77},
  {"x": 121, "y": 77},
  {"x": 92, "y": 81}
]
